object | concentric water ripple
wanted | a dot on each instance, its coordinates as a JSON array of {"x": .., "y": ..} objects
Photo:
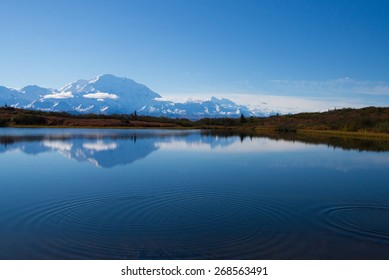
[
  {"x": 184, "y": 225},
  {"x": 364, "y": 221}
]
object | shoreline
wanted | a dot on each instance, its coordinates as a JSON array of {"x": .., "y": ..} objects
[
  {"x": 364, "y": 123},
  {"x": 260, "y": 131},
  {"x": 348, "y": 134}
]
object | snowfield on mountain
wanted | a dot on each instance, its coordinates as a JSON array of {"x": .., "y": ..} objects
[{"x": 108, "y": 94}]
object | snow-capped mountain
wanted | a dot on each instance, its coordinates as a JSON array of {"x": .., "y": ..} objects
[{"x": 108, "y": 94}]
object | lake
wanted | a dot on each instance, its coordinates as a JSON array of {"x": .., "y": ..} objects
[{"x": 190, "y": 194}]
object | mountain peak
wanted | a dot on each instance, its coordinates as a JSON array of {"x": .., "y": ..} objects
[
  {"x": 108, "y": 77},
  {"x": 34, "y": 89},
  {"x": 109, "y": 94},
  {"x": 222, "y": 101},
  {"x": 121, "y": 86},
  {"x": 76, "y": 86}
]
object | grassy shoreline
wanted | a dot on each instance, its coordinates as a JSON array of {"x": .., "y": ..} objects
[
  {"x": 245, "y": 130},
  {"x": 365, "y": 123},
  {"x": 353, "y": 134}
]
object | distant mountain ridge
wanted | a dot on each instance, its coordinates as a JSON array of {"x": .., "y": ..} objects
[{"x": 108, "y": 94}]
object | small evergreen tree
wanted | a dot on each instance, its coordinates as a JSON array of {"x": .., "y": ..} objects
[{"x": 242, "y": 119}]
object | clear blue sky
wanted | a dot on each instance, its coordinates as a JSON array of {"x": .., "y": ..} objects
[{"x": 319, "y": 50}]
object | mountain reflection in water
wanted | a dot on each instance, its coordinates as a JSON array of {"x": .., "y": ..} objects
[
  {"x": 191, "y": 194},
  {"x": 103, "y": 148},
  {"x": 108, "y": 148}
]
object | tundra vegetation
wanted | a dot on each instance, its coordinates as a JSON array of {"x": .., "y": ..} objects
[{"x": 366, "y": 121}]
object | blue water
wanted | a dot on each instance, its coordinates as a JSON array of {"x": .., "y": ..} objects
[{"x": 172, "y": 194}]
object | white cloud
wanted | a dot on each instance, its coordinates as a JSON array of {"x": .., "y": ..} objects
[
  {"x": 295, "y": 104},
  {"x": 99, "y": 146},
  {"x": 294, "y": 96},
  {"x": 344, "y": 85},
  {"x": 284, "y": 104},
  {"x": 58, "y": 145},
  {"x": 101, "y": 95},
  {"x": 59, "y": 95},
  {"x": 254, "y": 145}
]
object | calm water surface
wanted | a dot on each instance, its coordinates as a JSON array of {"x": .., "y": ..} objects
[{"x": 159, "y": 194}]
